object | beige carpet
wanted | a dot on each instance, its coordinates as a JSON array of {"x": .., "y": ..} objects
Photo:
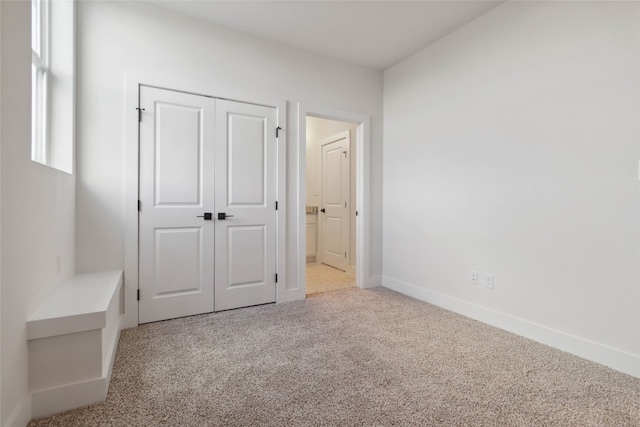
[
  {"x": 350, "y": 358},
  {"x": 322, "y": 278}
]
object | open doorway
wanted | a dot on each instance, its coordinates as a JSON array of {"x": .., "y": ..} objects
[{"x": 331, "y": 204}]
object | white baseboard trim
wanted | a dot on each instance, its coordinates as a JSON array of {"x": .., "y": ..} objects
[
  {"x": 22, "y": 414},
  {"x": 69, "y": 396},
  {"x": 373, "y": 282},
  {"x": 619, "y": 360}
]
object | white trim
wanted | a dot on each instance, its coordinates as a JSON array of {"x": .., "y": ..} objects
[
  {"x": 131, "y": 93},
  {"x": 69, "y": 396},
  {"x": 281, "y": 197},
  {"x": 132, "y": 81},
  {"x": 614, "y": 358},
  {"x": 363, "y": 145},
  {"x": 22, "y": 414},
  {"x": 374, "y": 282},
  {"x": 1, "y": 145}
]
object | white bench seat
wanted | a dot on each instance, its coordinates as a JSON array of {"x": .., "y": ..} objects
[{"x": 72, "y": 340}]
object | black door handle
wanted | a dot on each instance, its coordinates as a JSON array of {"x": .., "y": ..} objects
[
  {"x": 222, "y": 215},
  {"x": 323, "y": 210},
  {"x": 207, "y": 216}
]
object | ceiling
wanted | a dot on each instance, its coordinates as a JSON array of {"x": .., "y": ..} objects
[{"x": 375, "y": 34}]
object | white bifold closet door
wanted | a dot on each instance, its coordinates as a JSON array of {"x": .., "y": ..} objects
[{"x": 207, "y": 214}]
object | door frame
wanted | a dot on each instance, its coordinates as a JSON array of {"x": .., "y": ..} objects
[
  {"x": 133, "y": 80},
  {"x": 363, "y": 275}
]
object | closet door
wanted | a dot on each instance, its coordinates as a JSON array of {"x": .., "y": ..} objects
[
  {"x": 245, "y": 199},
  {"x": 176, "y": 241}
]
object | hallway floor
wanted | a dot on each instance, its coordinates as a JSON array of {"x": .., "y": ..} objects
[{"x": 322, "y": 278}]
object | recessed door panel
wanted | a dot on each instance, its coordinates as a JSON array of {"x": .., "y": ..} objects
[
  {"x": 246, "y": 160},
  {"x": 178, "y": 150},
  {"x": 246, "y": 252},
  {"x": 333, "y": 176},
  {"x": 333, "y": 239},
  {"x": 177, "y": 261}
]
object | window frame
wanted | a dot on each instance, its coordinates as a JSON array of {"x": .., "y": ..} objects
[
  {"x": 53, "y": 67},
  {"x": 40, "y": 80}
]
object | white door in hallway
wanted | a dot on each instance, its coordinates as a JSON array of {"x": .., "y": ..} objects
[
  {"x": 194, "y": 165},
  {"x": 245, "y": 193},
  {"x": 334, "y": 196}
]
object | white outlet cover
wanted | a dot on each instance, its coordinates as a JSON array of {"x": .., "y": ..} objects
[{"x": 488, "y": 281}]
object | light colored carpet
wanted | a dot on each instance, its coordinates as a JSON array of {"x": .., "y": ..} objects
[
  {"x": 350, "y": 358},
  {"x": 322, "y": 278}
]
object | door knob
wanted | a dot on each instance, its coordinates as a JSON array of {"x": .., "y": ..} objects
[
  {"x": 207, "y": 216},
  {"x": 222, "y": 215},
  {"x": 323, "y": 210}
]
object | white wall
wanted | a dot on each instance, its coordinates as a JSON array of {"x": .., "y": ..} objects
[
  {"x": 511, "y": 147},
  {"x": 317, "y": 130},
  {"x": 37, "y": 216},
  {"x": 119, "y": 37}
]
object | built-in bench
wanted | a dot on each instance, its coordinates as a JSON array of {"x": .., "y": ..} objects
[{"x": 72, "y": 343}]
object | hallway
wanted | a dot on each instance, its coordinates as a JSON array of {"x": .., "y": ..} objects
[{"x": 322, "y": 278}]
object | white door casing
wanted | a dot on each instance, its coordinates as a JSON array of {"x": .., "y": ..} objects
[
  {"x": 204, "y": 155},
  {"x": 176, "y": 186},
  {"x": 245, "y": 192},
  {"x": 335, "y": 197}
]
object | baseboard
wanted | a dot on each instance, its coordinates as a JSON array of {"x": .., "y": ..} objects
[
  {"x": 373, "y": 282},
  {"x": 69, "y": 396},
  {"x": 619, "y": 360},
  {"x": 22, "y": 414}
]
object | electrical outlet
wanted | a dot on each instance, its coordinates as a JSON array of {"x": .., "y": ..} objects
[
  {"x": 474, "y": 277},
  {"x": 488, "y": 280}
]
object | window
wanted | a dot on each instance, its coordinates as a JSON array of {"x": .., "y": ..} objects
[
  {"x": 53, "y": 83},
  {"x": 40, "y": 77}
]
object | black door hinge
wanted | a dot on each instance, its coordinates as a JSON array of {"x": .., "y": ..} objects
[
  {"x": 276, "y": 277},
  {"x": 139, "y": 205},
  {"x": 276, "y": 205},
  {"x": 278, "y": 129},
  {"x": 138, "y": 294},
  {"x": 140, "y": 110}
]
